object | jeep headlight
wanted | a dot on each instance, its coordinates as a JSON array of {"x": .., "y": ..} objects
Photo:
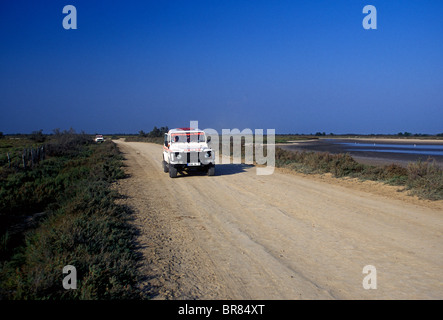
[{"x": 178, "y": 156}]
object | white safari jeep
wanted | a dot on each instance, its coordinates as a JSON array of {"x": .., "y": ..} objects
[{"x": 185, "y": 149}]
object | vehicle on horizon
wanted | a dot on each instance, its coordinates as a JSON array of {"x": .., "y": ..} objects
[
  {"x": 187, "y": 149},
  {"x": 99, "y": 138}
]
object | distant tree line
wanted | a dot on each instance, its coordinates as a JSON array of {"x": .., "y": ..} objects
[
  {"x": 37, "y": 136},
  {"x": 154, "y": 133},
  {"x": 409, "y": 134},
  {"x": 400, "y": 134}
]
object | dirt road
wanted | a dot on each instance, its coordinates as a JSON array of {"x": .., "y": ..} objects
[{"x": 238, "y": 235}]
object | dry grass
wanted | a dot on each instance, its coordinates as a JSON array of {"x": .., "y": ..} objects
[{"x": 424, "y": 179}]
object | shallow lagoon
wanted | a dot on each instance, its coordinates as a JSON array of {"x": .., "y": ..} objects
[{"x": 422, "y": 149}]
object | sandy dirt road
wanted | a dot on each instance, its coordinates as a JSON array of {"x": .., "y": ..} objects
[{"x": 238, "y": 235}]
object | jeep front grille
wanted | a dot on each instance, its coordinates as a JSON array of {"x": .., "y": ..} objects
[{"x": 192, "y": 157}]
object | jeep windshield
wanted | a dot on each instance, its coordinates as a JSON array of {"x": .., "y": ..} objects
[{"x": 188, "y": 137}]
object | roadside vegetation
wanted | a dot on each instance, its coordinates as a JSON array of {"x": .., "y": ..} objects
[
  {"x": 423, "y": 178},
  {"x": 61, "y": 210}
]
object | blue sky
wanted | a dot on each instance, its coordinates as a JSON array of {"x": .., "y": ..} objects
[{"x": 293, "y": 66}]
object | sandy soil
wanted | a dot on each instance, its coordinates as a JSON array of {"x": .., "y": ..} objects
[{"x": 238, "y": 235}]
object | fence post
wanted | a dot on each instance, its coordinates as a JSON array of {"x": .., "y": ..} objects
[{"x": 32, "y": 157}]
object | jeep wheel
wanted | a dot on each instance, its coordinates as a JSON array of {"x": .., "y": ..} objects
[
  {"x": 211, "y": 171},
  {"x": 165, "y": 166},
  {"x": 172, "y": 172}
]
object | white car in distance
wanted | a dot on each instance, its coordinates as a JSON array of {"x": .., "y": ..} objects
[{"x": 99, "y": 138}]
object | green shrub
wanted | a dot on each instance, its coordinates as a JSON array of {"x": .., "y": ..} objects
[
  {"x": 82, "y": 226},
  {"x": 425, "y": 179}
]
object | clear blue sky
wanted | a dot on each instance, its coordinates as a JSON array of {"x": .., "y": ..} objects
[{"x": 293, "y": 66}]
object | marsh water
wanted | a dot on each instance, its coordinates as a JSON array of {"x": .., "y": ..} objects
[
  {"x": 421, "y": 149},
  {"x": 376, "y": 152}
]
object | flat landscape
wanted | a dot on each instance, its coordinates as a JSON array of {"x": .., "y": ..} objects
[
  {"x": 238, "y": 235},
  {"x": 375, "y": 151},
  {"x": 185, "y": 151}
]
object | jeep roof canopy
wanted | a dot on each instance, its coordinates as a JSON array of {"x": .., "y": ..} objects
[
  {"x": 185, "y": 130},
  {"x": 186, "y": 135}
]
